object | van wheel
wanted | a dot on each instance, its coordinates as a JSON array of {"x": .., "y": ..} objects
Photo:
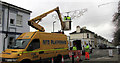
[
  {"x": 58, "y": 59},
  {"x": 26, "y": 61}
]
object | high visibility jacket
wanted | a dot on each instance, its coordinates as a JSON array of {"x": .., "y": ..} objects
[
  {"x": 65, "y": 18},
  {"x": 74, "y": 48},
  {"x": 87, "y": 48},
  {"x": 68, "y": 18}
]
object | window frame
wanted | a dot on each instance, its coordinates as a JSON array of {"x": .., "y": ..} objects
[
  {"x": 13, "y": 22},
  {"x": 1, "y": 13},
  {"x": 13, "y": 39},
  {"x": 19, "y": 21},
  {"x": 88, "y": 35}
]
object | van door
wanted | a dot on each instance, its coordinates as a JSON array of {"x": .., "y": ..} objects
[{"x": 33, "y": 49}]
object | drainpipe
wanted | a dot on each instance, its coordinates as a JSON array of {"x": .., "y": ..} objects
[{"x": 7, "y": 29}]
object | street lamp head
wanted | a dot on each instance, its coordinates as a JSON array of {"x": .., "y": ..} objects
[{"x": 54, "y": 21}]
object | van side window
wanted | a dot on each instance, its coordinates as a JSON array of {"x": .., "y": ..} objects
[{"x": 35, "y": 44}]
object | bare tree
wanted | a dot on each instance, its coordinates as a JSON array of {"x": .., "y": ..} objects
[{"x": 116, "y": 21}]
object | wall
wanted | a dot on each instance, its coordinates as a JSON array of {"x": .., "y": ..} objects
[
  {"x": 83, "y": 36},
  {"x": 76, "y": 36},
  {"x": 1, "y": 43},
  {"x": 25, "y": 27},
  {"x": 12, "y": 28}
]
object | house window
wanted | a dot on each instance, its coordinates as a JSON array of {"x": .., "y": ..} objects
[
  {"x": 12, "y": 21},
  {"x": 87, "y": 35},
  {"x": 19, "y": 20},
  {"x": 11, "y": 42}
]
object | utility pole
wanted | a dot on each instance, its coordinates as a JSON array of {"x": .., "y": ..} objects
[{"x": 53, "y": 25}]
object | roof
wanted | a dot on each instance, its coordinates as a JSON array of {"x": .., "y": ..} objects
[
  {"x": 16, "y": 7},
  {"x": 83, "y": 31}
]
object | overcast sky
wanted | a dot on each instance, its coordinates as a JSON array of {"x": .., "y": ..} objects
[{"x": 96, "y": 19}]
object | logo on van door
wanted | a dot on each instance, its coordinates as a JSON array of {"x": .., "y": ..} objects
[{"x": 46, "y": 42}]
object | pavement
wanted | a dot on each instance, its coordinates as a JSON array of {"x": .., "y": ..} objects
[
  {"x": 107, "y": 59},
  {"x": 102, "y": 56}
]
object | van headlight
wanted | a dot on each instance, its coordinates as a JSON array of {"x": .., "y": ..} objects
[
  {"x": 9, "y": 60},
  {"x": 19, "y": 54}
]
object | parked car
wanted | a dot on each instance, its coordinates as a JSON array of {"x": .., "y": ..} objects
[
  {"x": 102, "y": 46},
  {"x": 118, "y": 46},
  {"x": 111, "y": 47}
]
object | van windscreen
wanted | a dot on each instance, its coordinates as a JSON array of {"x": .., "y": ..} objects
[{"x": 20, "y": 44}]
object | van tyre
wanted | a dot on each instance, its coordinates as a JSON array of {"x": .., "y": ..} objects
[
  {"x": 26, "y": 61},
  {"x": 58, "y": 59}
]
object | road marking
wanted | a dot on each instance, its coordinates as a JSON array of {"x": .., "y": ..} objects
[
  {"x": 98, "y": 58},
  {"x": 103, "y": 58},
  {"x": 107, "y": 58}
]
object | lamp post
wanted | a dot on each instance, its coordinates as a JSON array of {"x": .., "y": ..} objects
[{"x": 53, "y": 25}]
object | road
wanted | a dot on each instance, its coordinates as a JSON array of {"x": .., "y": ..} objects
[{"x": 100, "y": 56}]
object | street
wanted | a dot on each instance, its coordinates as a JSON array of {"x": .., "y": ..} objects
[{"x": 99, "y": 56}]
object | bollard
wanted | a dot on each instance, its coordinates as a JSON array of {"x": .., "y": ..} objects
[
  {"x": 52, "y": 61},
  {"x": 62, "y": 59},
  {"x": 110, "y": 53},
  {"x": 77, "y": 59}
]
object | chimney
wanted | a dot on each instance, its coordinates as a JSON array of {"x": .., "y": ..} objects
[
  {"x": 84, "y": 27},
  {"x": 78, "y": 29}
]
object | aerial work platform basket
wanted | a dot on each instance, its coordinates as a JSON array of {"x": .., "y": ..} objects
[{"x": 67, "y": 24}]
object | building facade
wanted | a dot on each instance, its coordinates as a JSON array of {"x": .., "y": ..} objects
[
  {"x": 84, "y": 35},
  {"x": 87, "y": 36},
  {"x": 13, "y": 22}
]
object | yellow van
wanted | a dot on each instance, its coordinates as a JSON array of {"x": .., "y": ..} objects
[{"x": 34, "y": 46}]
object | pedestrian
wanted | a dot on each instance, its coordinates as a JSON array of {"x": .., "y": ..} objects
[
  {"x": 87, "y": 52},
  {"x": 83, "y": 50},
  {"x": 90, "y": 48},
  {"x": 68, "y": 18},
  {"x": 74, "y": 48},
  {"x": 80, "y": 53}
]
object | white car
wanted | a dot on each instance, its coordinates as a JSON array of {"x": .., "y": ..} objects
[{"x": 118, "y": 46}]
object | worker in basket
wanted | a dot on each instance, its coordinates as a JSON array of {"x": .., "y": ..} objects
[{"x": 68, "y": 18}]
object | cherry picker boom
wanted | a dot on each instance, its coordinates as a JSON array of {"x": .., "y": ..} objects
[{"x": 34, "y": 22}]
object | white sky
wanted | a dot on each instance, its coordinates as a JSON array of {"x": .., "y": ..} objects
[{"x": 96, "y": 19}]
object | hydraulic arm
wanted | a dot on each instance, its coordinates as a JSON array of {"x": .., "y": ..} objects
[{"x": 34, "y": 22}]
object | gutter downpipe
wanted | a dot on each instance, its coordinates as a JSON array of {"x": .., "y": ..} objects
[{"x": 7, "y": 29}]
